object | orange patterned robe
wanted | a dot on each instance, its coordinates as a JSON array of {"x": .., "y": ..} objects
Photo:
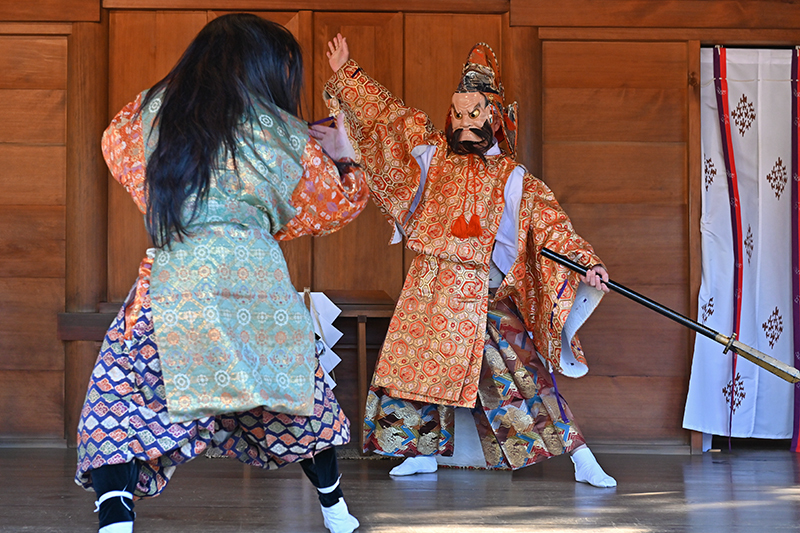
[{"x": 435, "y": 344}]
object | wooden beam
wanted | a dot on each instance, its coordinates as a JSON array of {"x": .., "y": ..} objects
[
  {"x": 84, "y": 327},
  {"x": 657, "y": 13},
  {"x": 35, "y": 28},
  {"x": 706, "y": 36},
  {"x": 408, "y": 6},
  {"x": 87, "y": 183},
  {"x": 51, "y": 11},
  {"x": 694, "y": 161}
]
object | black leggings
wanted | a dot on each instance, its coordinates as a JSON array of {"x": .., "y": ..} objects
[
  {"x": 322, "y": 470},
  {"x": 115, "y": 477}
]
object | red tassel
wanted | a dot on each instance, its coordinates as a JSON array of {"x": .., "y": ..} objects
[
  {"x": 474, "y": 227},
  {"x": 459, "y": 228}
]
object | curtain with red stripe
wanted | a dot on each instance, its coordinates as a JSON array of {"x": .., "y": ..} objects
[{"x": 747, "y": 250}]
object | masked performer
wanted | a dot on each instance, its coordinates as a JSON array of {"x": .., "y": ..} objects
[
  {"x": 483, "y": 321},
  {"x": 213, "y": 348}
]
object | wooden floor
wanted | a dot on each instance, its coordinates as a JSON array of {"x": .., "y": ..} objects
[{"x": 739, "y": 491}]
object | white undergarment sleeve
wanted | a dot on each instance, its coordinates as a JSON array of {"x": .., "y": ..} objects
[{"x": 505, "y": 246}]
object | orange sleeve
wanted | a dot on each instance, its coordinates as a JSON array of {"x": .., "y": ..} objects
[
  {"x": 384, "y": 131},
  {"x": 123, "y": 150},
  {"x": 542, "y": 290},
  {"x": 325, "y": 201}
]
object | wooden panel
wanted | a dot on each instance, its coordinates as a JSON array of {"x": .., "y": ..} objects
[
  {"x": 32, "y": 175},
  {"x": 657, "y": 13},
  {"x": 654, "y": 115},
  {"x": 695, "y": 157},
  {"x": 375, "y": 41},
  {"x": 615, "y": 154},
  {"x": 447, "y": 6},
  {"x": 436, "y": 49},
  {"x": 358, "y": 256},
  {"x": 84, "y": 326},
  {"x": 32, "y": 403},
  {"x": 614, "y": 65},
  {"x": 33, "y": 116},
  {"x": 32, "y": 242},
  {"x": 28, "y": 323},
  {"x": 33, "y": 62},
  {"x": 161, "y": 38},
  {"x": 630, "y": 409},
  {"x": 47, "y": 10},
  {"x": 621, "y": 172},
  {"x": 127, "y": 241},
  {"x": 521, "y": 72},
  {"x": 640, "y": 244},
  {"x": 622, "y": 338}
]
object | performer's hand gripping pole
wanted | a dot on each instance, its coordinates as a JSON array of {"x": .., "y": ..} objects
[{"x": 779, "y": 368}]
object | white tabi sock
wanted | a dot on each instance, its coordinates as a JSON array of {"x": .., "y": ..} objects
[
  {"x": 119, "y": 527},
  {"x": 587, "y": 470},
  {"x": 337, "y": 517},
  {"x": 421, "y": 464}
]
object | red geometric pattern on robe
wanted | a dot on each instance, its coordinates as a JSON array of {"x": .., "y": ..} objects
[
  {"x": 123, "y": 150},
  {"x": 327, "y": 205},
  {"x": 534, "y": 282},
  {"x": 434, "y": 345},
  {"x": 383, "y": 131}
]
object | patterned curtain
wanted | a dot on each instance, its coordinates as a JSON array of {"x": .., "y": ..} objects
[{"x": 749, "y": 241}]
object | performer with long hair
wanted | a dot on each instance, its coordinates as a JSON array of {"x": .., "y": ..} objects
[
  {"x": 213, "y": 348},
  {"x": 483, "y": 322}
]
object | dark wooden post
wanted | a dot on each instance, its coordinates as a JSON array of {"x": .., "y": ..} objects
[{"x": 87, "y": 192}]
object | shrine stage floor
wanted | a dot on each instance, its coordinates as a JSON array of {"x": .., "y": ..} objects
[{"x": 739, "y": 491}]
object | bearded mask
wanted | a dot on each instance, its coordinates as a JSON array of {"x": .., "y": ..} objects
[
  {"x": 472, "y": 126},
  {"x": 477, "y": 114}
]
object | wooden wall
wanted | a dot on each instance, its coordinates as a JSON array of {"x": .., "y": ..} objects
[
  {"x": 609, "y": 119},
  {"x": 621, "y": 150},
  {"x": 33, "y": 112}
]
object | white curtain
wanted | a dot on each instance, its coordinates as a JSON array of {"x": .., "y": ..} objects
[{"x": 759, "y": 108}]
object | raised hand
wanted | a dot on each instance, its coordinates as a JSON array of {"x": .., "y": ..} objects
[
  {"x": 338, "y": 53},
  {"x": 334, "y": 140}
]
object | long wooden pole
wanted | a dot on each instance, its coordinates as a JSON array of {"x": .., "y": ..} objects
[{"x": 779, "y": 368}]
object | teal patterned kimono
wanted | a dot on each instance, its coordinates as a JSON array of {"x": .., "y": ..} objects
[{"x": 232, "y": 332}]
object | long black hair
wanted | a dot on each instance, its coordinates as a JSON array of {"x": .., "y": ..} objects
[{"x": 235, "y": 61}]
